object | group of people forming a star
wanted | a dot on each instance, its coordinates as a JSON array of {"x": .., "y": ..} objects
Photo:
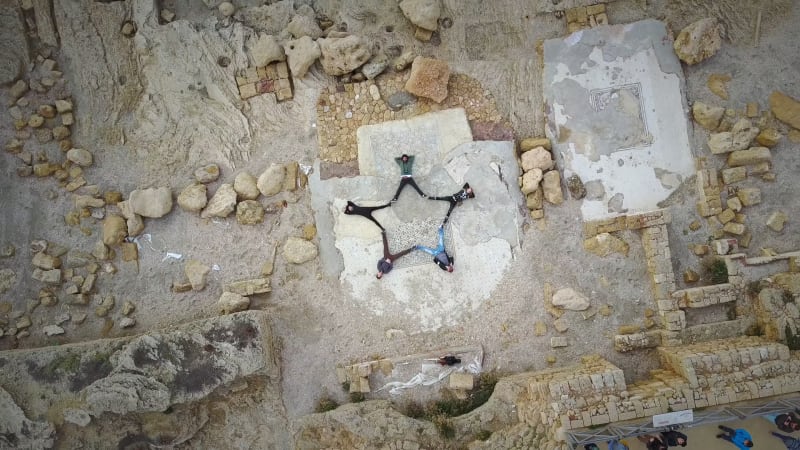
[{"x": 439, "y": 253}]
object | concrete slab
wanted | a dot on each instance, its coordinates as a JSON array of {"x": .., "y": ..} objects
[
  {"x": 481, "y": 233},
  {"x": 617, "y": 115},
  {"x": 428, "y": 137}
]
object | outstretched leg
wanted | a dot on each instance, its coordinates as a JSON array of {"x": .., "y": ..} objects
[
  {"x": 407, "y": 181},
  {"x": 428, "y": 250}
]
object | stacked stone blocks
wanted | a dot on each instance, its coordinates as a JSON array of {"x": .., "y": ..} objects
[
  {"x": 629, "y": 222},
  {"x": 586, "y": 17},
  {"x": 272, "y": 78},
  {"x": 709, "y": 189}
]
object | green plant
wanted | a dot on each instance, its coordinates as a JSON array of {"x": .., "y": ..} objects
[
  {"x": 414, "y": 410},
  {"x": 444, "y": 426},
  {"x": 715, "y": 270},
  {"x": 753, "y": 288},
  {"x": 792, "y": 340},
  {"x": 357, "y": 397},
  {"x": 67, "y": 364},
  {"x": 754, "y": 330},
  {"x": 483, "y": 435},
  {"x": 346, "y": 386},
  {"x": 326, "y": 404}
]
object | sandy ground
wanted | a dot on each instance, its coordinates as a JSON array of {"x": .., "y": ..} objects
[{"x": 317, "y": 328}]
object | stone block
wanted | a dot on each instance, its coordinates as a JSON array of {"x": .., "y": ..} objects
[
  {"x": 751, "y": 156},
  {"x": 749, "y": 196},
  {"x": 734, "y": 175},
  {"x": 248, "y": 90},
  {"x": 777, "y": 220},
  {"x": 460, "y": 380},
  {"x": 558, "y": 341}
]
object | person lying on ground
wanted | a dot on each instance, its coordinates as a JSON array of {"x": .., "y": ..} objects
[
  {"x": 674, "y": 438},
  {"x": 456, "y": 199},
  {"x": 364, "y": 211},
  {"x": 440, "y": 256},
  {"x": 738, "y": 437},
  {"x": 448, "y": 360},
  {"x": 386, "y": 263},
  {"x": 790, "y": 442},
  {"x": 406, "y": 162},
  {"x": 786, "y": 422},
  {"x": 617, "y": 445},
  {"x": 652, "y": 442}
]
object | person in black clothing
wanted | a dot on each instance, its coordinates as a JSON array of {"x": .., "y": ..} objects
[
  {"x": 364, "y": 211},
  {"x": 456, "y": 199},
  {"x": 674, "y": 438},
  {"x": 786, "y": 422},
  {"x": 449, "y": 360},
  {"x": 406, "y": 162},
  {"x": 386, "y": 263},
  {"x": 652, "y": 442}
]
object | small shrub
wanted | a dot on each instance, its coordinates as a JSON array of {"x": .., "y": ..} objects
[
  {"x": 483, "y": 435},
  {"x": 753, "y": 288},
  {"x": 357, "y": 397},
  {"x": 792, "y": 340},
  {"x": 754, "y": 330},
  {"x": 346, "y": 386},
  {"x": 444, "y": 426},
  {"x": 326, "y": 404},
  {"x": 787, "y": 297},
  {"x": 414, "y": 410},
  {"x": 715, "y": 270}
]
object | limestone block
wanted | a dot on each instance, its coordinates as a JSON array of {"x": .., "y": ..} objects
[
  {"x": 698, "y": 41},
  {"x": 749, "y": 196},
  {"x": 429, "y": 78},
  {"x": 785, "y": 108},
  {"x": 734, "y": 175},
  {"x": 751, "y": 156},
  {"x": 459, "y": 380}
]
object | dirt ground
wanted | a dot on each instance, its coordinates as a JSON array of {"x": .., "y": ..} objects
[{"x": 317, "y": 328}]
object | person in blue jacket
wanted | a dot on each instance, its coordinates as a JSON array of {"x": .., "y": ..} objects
[{"x": 738, "y": 437}]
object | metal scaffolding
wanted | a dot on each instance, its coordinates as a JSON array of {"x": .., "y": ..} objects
[{"x": 703, "y": 416}]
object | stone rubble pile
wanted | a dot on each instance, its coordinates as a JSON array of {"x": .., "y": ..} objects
[
  {"x": 582, "y": 17},
  {"x": 540, "y": 180}
]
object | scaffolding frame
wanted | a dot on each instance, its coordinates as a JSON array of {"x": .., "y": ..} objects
[{"x": 704, "y": 416}]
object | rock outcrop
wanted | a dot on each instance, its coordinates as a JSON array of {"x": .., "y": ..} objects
[
  {"x": 153, "y": 202},
  {"x": 342, "y": 55},
  {"x": 20, "y": 432},
  {"x": 785, "y": 108},
  {"x": 301, "y": 53},
  {"x": 422, "y": 13},
  {"x": 429, "y": 78},
  {"x": 699, "y": 41}
]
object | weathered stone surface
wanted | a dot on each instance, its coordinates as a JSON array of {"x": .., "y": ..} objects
[
  {"x": 531, "y": 143},
  {"x": 114, "y": 229},
  {"x": 245, "y": 186},
  {"x": 777, "y": 220},
  {"x": 560, "y": 325},
  {"x": 530, "y": 181},
  {"x": 707, "y": 116},
  {"x": 536, "y": 158},
  {"x": 127, "y": 322},
  {"x": 768, "y": 137},
  {"x": 264, "y": 49},
  {"x": 605, "y": 244},
  {"x": 230, "y": 302},
  {"x": 375, "y": 67},
  {"x": 78, "y": 417},
  {"x": 46, "y": 262},
  {"x": 301, "y": 25},
  {"x": 207, "y": 174},
  {"x": 20, "y": 432},
  {"x": 734, "y": 228},
  {"x": 299, "y": 251},
  {"x": 7, "y": 279},
  {"x": 690, "y": 276},
  {"x": 751, "y": 156},
  {"x": 534, "y": 200},
  {"x": 422, "y": 13},
  {"x": 698, "y": 41},
  {"x": 462, "y": 381},
  {"x": 568, "y": 298},
  {"x": 270, "y": 181},
  {"x": 558, "y": 341},
  {"x": 785, "y": 108},
  {"x": 80, "y": 157},
  {"x": 227, "y": 9},
  {"x": 342, "y": 55},
  {"x": 47, "y": 276},
  {"x": 52, "y": 330},
  {"x": 250, "y": 287},
  {"x": 222, "y": 203},
  {"x": 575, "y": 187},
  {"x": 552, "y": 187},
  {"x": 249, "y": 212},
  {"x": 152, "y": 202},
  {"x": 193, "y": 198},
  {"x": 734, "y": 175},
  {"x": 301, "y": 54},
  {"x": 197, "y": 273},
  {"x": 428, "y": 78}
]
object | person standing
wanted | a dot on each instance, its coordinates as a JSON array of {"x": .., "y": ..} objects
[
  {"x": 386, "y": 263},
  {"x": 738, "y": 437},
  {"x": 406, "y": 162}
]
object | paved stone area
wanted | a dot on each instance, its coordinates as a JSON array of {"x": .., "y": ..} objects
[
  {"x": 343, "y": 108},
  {"x": 616, "y": 115},
  {"x": 481, "y": 232}
]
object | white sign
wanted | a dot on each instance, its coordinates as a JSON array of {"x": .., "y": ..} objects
[{"x": 673, "y": 418}]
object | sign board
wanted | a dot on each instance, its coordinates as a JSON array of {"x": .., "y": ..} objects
[{"x": 673, "y": 418}]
